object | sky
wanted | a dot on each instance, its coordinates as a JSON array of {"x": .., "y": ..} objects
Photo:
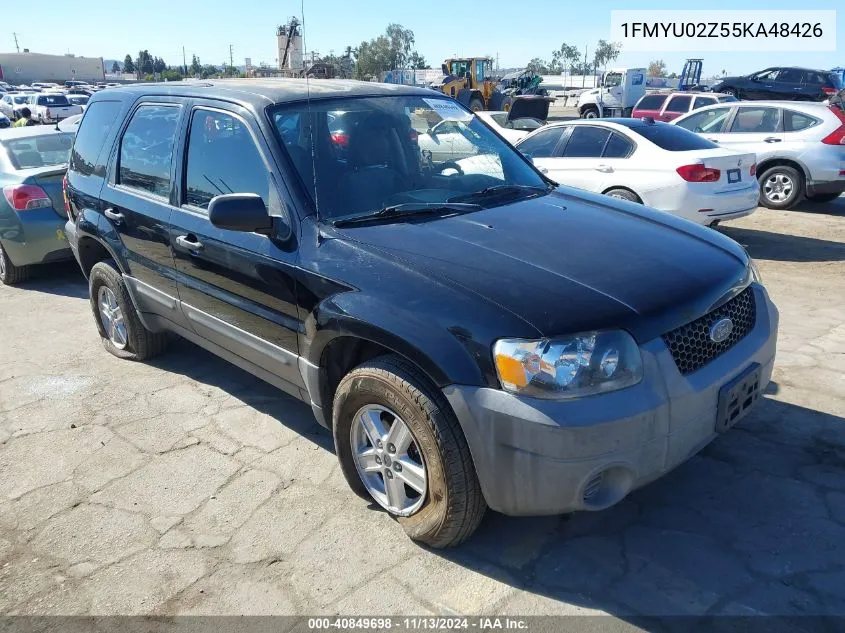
[{"x": 515, "y": 31}]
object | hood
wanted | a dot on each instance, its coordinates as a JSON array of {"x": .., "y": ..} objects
[
  {"x": 570, "y": 262},
  {"x": 530, "y": 106}
]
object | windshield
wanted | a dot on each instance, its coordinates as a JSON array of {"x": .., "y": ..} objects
[{"x": 377, "y": 152}]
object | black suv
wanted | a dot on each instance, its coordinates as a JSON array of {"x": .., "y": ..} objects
[
  {"x": 787, "y": 83},
  {"x": 472, "y": 334}
]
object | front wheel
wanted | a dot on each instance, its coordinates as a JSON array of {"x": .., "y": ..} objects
[
  {"x": 590, "y": 113},
  {"x": 399, "y": 444},
  {"x": 781, "y": 187},
  {"x": 823, "y": 197},
  {"x": 476, "y": 104},
  {"x": 731, "y": 92},
  {"x": 623, "y": 194}
]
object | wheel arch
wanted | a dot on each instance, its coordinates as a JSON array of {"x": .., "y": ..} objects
[
  {"x": 611, "y": 188},
  {"x": 91, "y": 251},
  {"x": 777, "y": 161}
]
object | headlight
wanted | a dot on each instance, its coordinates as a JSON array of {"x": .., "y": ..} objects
[
  {"x": 568, "y": 367},
  {"x": 755, "y": 272}
]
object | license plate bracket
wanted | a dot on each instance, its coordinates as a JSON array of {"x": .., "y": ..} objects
[
  {"x": 737, "y": 397},
  {"x": 734, "y": 175}
]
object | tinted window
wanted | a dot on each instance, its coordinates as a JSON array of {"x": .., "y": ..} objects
[
  {"x": 673, "y": 138},
  {"x": 679, "y": 104},
  {"x": 222, "y": 158},
  {"x": 43, "y": 150},
  {"x": 789, "y": 75},
  {"x": 146, "y": 149},
  {"x": 700, "y": 102},
  {"x": 651, "y": 102},
  {"x": 710, "y": 121},
  {"x": 52, "y": 100},
  {"x": 756, "y": 119},
  {"x": 767, "y": 75},
  {"x": 796, "y": 121},
  {"x": 542, "y": 145},
  {"x": 617, "y": 147},
  {"x": 98, "y": 120},
  {"x": 813, "y": 77},
  {"x": 586, "y": 141}
]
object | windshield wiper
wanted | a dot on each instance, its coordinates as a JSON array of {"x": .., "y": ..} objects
[
  {"x": 408, "y": 209},
  {"x": 501, "y": 190}
]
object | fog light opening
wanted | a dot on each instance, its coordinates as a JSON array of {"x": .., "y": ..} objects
[{"x": 606, "y": 487}]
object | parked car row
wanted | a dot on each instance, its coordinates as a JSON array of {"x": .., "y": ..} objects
[
  {"x": 44, "y": 107},
  {"x": 473, "y": 334}
]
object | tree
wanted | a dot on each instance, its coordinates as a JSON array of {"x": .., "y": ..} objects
[
  {"x": 417, "y": 61},
  {"x": 565, "y": 57},
  {"x": 196, "y": 67},
  {"x": 401, "y": 41},
  {"x": 159, "y": 66},
  {"x": 538, "y": 66},
  {"x": 606, "y": 52},
  {"x": 128, "y": 64},
  {"x": 144, "y": 63},
  {"x": 172, "y": 74},
  {"x": 115, "y": 68},
  {"x": 657, "y": 68},
  {"x": 374, "y": 58},
  {"x": 208, "y": 71}
]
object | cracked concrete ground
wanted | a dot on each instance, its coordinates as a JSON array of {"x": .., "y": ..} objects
[{"x": 186, "y": 486}]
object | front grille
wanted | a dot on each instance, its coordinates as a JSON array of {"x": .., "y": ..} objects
[{"x": 691, "y": 345}]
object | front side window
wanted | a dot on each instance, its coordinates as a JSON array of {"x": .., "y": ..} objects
[
  {"x": 700, "y": 102},
  {"x": 611, "y": 80},
  {"x": 399, "y": 150},
  {"x": 146, "y": 149},
  {"x": 679, "y": 104},
  {"x": 542, "y": 144},
  {"x": 651, "y": 102},
  {"x": 760, "y": 120},
  {"x": 222, "y": 158},
  {"x": 709, "y": 121},
  {"x": 586, "y": 141},
  {"x": 767, "y": 75}
]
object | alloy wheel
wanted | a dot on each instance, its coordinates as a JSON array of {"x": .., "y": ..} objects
[
  {"x": 388, "y": 460},
  {"x": 778, "y": 187},
  {"x": 112, "y": 317}
]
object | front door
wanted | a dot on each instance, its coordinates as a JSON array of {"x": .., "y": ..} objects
[
  {"x": 237, "y": 289},
  {"x": 136, "y": 203},
  {"x": 579, "y": 162}
]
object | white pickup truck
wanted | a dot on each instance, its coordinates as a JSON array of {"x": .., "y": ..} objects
[{"x": 50, "y": 108}]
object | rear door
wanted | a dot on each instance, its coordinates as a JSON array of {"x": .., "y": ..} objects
[
  {"x": 237, "y": 289},
  {"x": 137, "y": 202},
  {"x": 789, "y": 85}
]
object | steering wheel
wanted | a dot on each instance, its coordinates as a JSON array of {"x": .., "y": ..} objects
[{"x": 450, "y": 164}]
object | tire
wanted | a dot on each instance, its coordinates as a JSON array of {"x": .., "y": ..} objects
[
  {"x": 624, "y": 194},
  {"x": 9, "y": 273},
  {"x": 453, "y": 506},
  {"x": 140, "y": 344},
  {"x": 506, "y": 104},
  {"x": 590, "y": 113},
  {"x": 731, "y": 92},
  {"x": 781, "y": 187},
  {"x": 476, "y": 104},
  {"x": 823, "y": 197}
]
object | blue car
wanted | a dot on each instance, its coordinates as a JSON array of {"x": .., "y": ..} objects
[{"x": 33, "y": 162}]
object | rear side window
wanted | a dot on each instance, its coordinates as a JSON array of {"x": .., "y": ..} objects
[
  {"x": 586, "y": 141},
  {"x": 797, "y": 121},
  {"x": 651, "y": 102},
  {"x": 673, "y": 138},
  {"x": 679, "y": 104},
  {"x": 813, "y": 77},
  {"x": 617, "y": 147},
  {"x": 542, "y": 144},
  {"x": 146, "y": 149},
  {"x": 789, "y": 75},
  {"x": 222, "y": 158},
  {"x": 93, "y": 130},
  {"x": 760, "y": 120}
]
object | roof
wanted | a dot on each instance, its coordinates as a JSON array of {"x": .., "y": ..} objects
[{"x": 262, "y": 92}]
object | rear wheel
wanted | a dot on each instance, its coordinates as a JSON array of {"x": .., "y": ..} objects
[
  {"x": 476, "y": 104},
  {"x": 120, "y": 329},
  {"x": 399, "y": 444},
  {"x": 781, "y": 187},
  {"x": 823, "y": 197},
  {"x": 623, "y": 194},
  {"x": 9, "y": 273}
]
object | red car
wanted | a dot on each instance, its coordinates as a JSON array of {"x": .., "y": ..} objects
[{"x": 671, "y": 105}]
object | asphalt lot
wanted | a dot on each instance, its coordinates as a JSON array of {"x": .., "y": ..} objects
[{"x": 187, "y": 486}]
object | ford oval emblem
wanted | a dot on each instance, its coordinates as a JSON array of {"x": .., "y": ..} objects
[{"x": 721, "y": 330}]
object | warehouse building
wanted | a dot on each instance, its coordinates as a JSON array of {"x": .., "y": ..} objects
[{"x": 24, "y": 68}]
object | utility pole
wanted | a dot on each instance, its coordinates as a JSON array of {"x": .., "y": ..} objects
[
  {"x": 18, "y": 48},
  {"x": 231, "y": 61},
  {"x": 184, "y": 60},
  {"x": 497, "y": 63},
  {"x": 584, "y": 67}
]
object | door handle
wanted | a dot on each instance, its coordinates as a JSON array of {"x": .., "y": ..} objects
[
  {"x": 111, "y": 214},
  {"x": 771, "y": 139},
  {"x": 189, "y": 243},
  {"x": 604, "y": 168}
]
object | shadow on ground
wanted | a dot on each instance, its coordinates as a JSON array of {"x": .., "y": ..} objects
[
  {"x": 62, "y": 278},
  {"x": 786, "y": 248},
  {"x": 755, "y": 523}
]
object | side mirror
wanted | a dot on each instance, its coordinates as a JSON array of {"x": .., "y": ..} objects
[{"x": 244, "y": 212}]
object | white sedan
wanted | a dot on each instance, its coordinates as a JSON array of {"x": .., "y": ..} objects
[
  {"x": 512, "y": 129},
  {"x": 656, "y": 164}
]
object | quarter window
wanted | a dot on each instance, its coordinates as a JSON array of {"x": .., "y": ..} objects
[
  {"x": 146, "y": 149},
  {"x": 756, "y": 120},
  {"x": 222, "y": 158},
  {"x": 797, "y": 121}
]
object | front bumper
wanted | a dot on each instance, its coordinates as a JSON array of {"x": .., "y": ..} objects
[
  {"x": 537, "y": 457},
  {"x": 35, "y": 237}
]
